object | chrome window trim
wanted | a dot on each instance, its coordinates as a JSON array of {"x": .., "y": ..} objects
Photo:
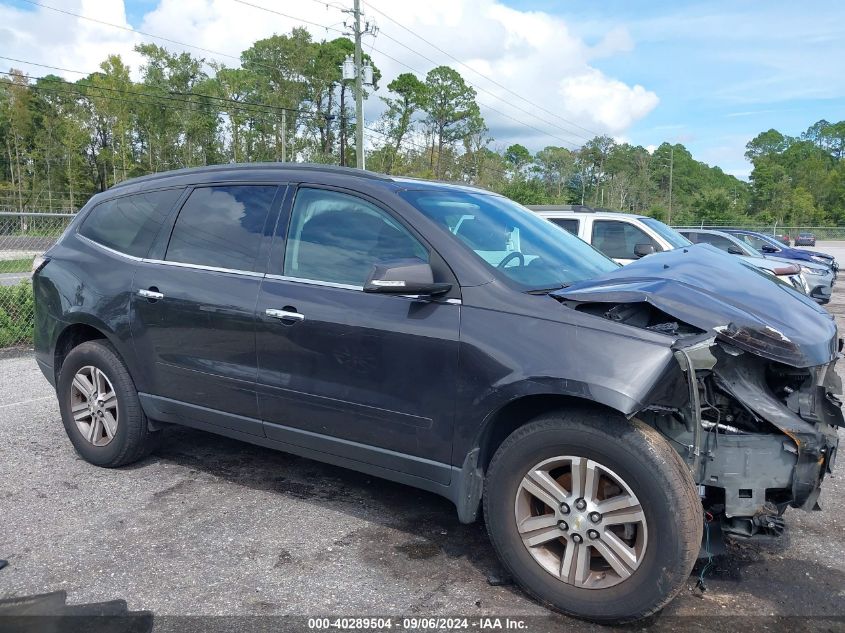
[
  {"x": 108, "y": 249},
  {"x": 331, "y": 284},
  {"x": 213, "y": 269},
  {"x": 145, "y": 260},
  {"x": 246, "y": 273},
  {"x": 315, "y": 282}
]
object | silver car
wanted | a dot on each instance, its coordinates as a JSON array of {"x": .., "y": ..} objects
[{"x": 814, "y": 280}]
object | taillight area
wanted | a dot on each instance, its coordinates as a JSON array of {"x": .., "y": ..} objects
[{"x": 38, "y": 263}]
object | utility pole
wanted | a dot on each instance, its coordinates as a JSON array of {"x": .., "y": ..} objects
[
  {"x": 284, "y": 136},
  {"x": 359, "y": 91},
  {"x": 671, "y": 169},
  {"x": 355, "y": 70}
]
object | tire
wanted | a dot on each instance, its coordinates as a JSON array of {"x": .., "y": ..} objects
[
  {"x": 664, "y": 543},
  {"x": 130, "y": 438}
]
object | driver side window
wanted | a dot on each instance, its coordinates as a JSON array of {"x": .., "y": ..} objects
[
  {"x": 338, "y": 238},
  {"x": 755, "y": 242},
  {"x": 618, "y": 239}
]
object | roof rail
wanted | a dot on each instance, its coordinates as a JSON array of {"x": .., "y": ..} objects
[
  {"x": 330, "y": 169},
  {"x": 569, "y": 208}
]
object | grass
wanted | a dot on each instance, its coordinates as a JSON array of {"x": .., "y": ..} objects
[
  {"x": 17, "y": 315},
  {"x": 16, "y": 265}
]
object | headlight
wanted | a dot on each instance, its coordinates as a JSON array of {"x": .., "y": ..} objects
[
  {"x": 810, "y": 270},
  {"x": 766, "y": 341},
  {"x": 821, "y": 260}
]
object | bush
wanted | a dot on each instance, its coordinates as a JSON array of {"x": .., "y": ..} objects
[{"x": 17, "y": 314}]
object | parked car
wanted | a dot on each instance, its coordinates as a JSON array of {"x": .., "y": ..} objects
[
  {"x": 805, "y": 239},
  {"x": 436, "y": 335},
  {"x": 624, "y": 237},
  {"x": 767, "y": 245},
  {"x": 784, "y": 239},
  {"x": 813, "y": 279}
]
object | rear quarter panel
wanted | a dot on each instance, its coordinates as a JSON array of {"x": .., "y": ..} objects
[{"x": 84, "y": 283}]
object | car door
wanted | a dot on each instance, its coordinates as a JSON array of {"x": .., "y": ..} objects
[
  {"x": 367, "y": 376},
  {"x": 619, "y": 239},
  {"x": 193, "y": 320}
]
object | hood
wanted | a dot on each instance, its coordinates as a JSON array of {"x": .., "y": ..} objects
[
  {"x": 815, "y": 266},
  {"x": 799, "y": 253},
  {"x": 771, "y": 263},
  {"x": 719, "y": 293}
]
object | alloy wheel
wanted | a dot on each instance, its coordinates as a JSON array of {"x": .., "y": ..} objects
[
  {"x": 93, "y": 404},
  {"x": 581, "y": 522}
]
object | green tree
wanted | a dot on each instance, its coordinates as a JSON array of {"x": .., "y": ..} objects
[
  {"x": 452, "y": 111},
  {"x": 398, "y": 117}
]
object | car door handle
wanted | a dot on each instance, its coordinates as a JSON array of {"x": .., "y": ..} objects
[
  {"x": 153, "y": 295},
  {"x": 284, "y": 315}
]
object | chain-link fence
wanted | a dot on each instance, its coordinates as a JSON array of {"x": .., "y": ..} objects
[{"x": 23, "y": 236}]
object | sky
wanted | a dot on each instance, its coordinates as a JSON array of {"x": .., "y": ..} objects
[{"x": 710, "y": 75}]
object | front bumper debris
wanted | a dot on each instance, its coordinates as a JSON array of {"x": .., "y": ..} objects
[{"x": 759, "y": 436}]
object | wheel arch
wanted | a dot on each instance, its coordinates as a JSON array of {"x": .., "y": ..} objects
[
  {"x": 467, "y": 487},
  {"x": 82, "y": 329},
  {"x": 519, "y": 412}
]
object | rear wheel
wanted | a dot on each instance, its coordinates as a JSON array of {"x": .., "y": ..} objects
[
  {"x": 100, "y": 408},
  {"x": 593, "y": 515}
]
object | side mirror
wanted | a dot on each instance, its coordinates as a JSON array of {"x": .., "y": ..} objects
[
  {"x": 404, "y": 277},
  {"x": 734, "y": 250},
  {"x": 641, "y": 250},
  {"x": 768, "y": 248}
]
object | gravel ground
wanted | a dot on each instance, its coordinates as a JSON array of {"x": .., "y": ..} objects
[{"x": 211, "y": 526}]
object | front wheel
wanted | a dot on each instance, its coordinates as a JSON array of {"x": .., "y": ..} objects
[{"x": 593, "y": 515}]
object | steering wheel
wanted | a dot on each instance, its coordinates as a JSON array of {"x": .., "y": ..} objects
[{"x": 510, "y": 256}]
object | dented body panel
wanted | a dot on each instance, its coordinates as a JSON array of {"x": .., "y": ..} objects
[
  {"x": 757, "y": 424},
  {"x": 709, "y": 289}
]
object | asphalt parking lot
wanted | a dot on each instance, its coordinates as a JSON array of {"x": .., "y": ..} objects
[{"x": 211, "y": 526}]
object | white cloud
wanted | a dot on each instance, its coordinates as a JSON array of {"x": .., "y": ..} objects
[
  {"x": 55, "y": 39},
  {"x": 536, "y": 55},
  {"x": 609, "y": 102}
]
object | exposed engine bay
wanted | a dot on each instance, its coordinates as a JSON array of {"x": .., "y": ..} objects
[{"x": 755, "y": 422}]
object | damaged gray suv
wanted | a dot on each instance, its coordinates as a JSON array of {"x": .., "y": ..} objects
[{"x": 447, "y": 338}]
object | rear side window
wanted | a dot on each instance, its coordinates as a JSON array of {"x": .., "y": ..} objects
[
  {"x": 569, "y": 224},
  {"x": 619, "y": 239},
  {"x": 221, "y": 227},
  {"x": 129, "y": 224}
]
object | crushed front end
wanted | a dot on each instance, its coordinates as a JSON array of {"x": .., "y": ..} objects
[
  {"x": 751, "y": 399},
  {"x": 759, "y": 434}
]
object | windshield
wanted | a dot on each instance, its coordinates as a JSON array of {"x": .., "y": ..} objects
[
  {"x": 508, "y": 237},
  {"x": 670, "y": 235}
]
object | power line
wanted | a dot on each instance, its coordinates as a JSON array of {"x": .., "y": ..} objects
[
  {"x": 419, "y": 72},
  {"x": 246, "y": 3},
  {"x": 480, "y": 74},
  {"x": 131, "y": 30},
  {"x": 82, "y": 91},
  {"x": 290, "y": 17},
  {"x": 492, "y": 94},
  {"x": 158, "y": 37},
  {"x": 150, "y": 94},
  {"x": 481, "y": 88},
  {"x": 153, "y": 99}
]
